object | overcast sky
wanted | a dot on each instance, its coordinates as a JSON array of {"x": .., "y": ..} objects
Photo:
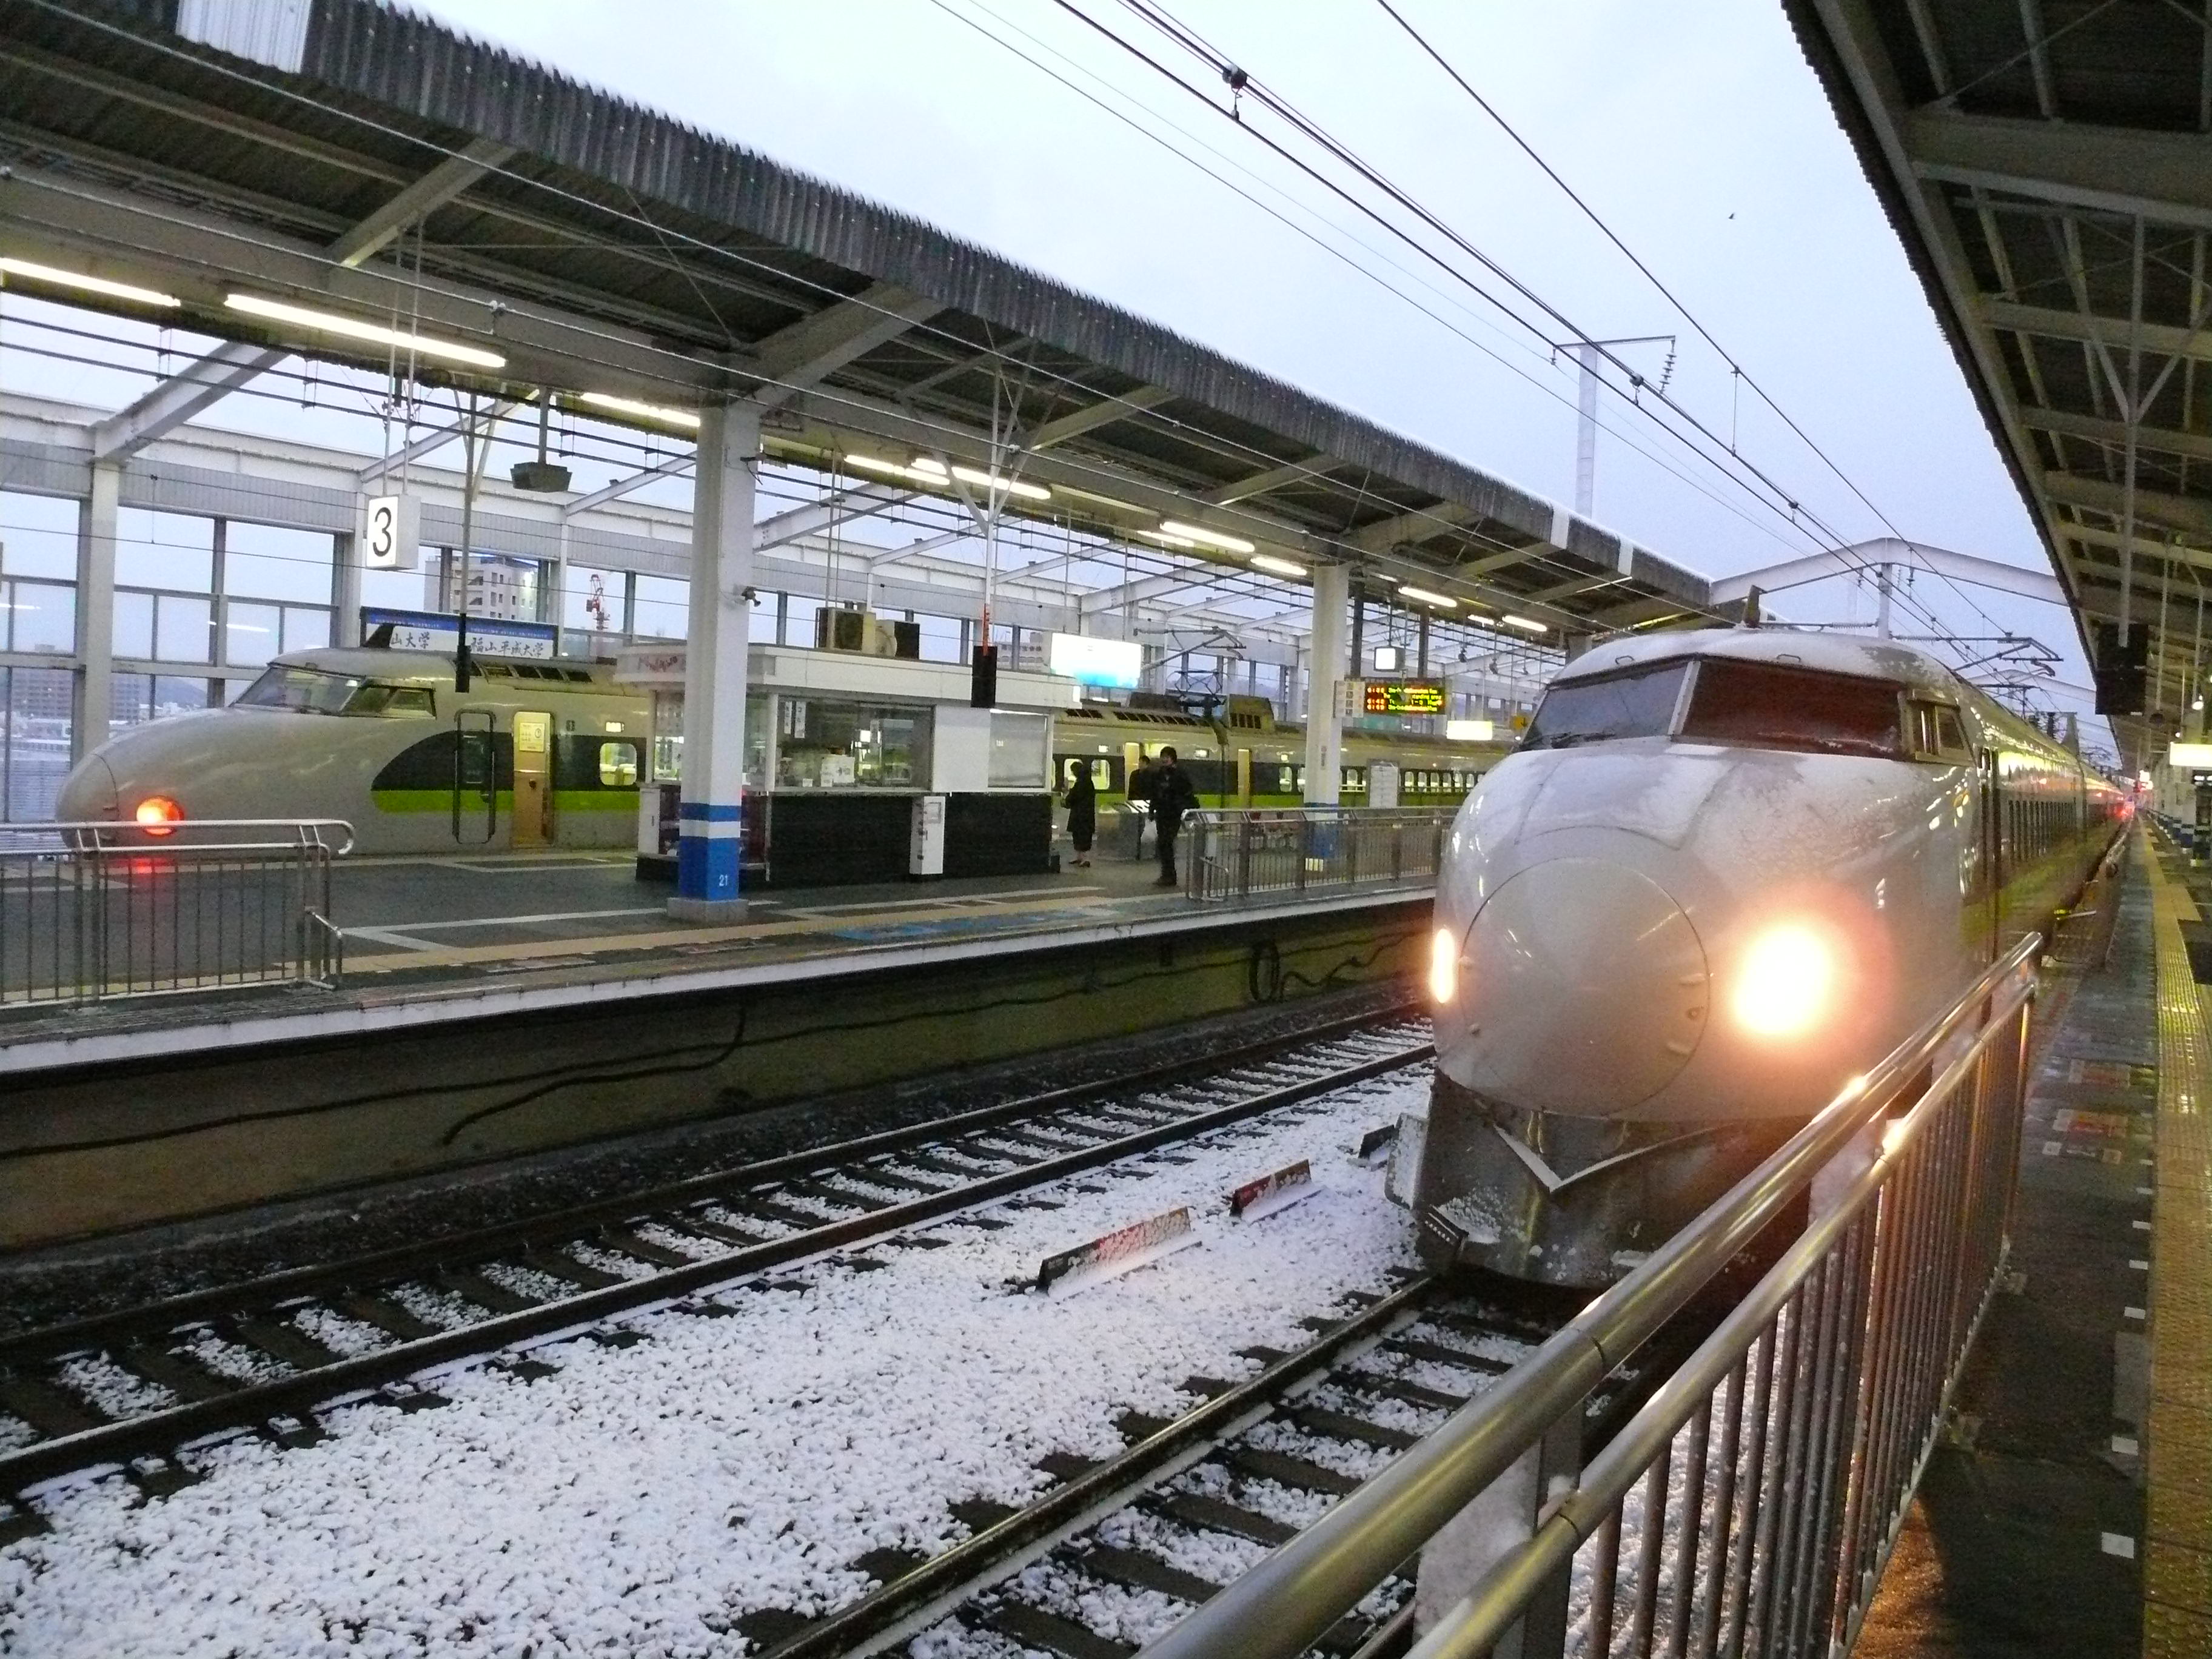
[{"x": 1697, "y": 131}]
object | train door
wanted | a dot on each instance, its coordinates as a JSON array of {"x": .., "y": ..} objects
[
  {"x": 533, "y": 779},
  {"x": 476, "y": 776},
  {"x": 1244, "y": 777}
]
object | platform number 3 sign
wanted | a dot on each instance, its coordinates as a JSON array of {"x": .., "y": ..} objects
[{"x": 391, "y": 532}]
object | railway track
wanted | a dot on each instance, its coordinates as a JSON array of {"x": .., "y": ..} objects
[
  {"x": 1137, "y": 1538},
  {"x": 136, "y": 1387}
]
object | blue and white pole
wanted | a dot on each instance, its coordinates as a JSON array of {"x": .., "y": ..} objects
[{"x": 712, "y": 815}]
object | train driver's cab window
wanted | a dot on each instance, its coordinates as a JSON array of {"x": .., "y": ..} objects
[
  {"x": 619, "y": 766},
  {"x": 1767, "y": 705},
  {"x": 1938, "y": 734},
  {"x": 1636, "y": 704},
  {"x": 391, "y": 702},
  {"x": 314, "y": 691},
  {"x": 302, "y": 690}
]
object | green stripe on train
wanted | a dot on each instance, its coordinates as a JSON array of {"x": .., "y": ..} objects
[{"x": 596, "y": 802}]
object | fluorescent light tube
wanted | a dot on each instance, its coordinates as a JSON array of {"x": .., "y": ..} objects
[
  {"x": 352, "y": 328},
  {"x": 1427, "y": 598},
  {"x": 1524, "y": 624},
  {"x": 688, "y": 419},
  {"x": 1208, "y": 537},
  {"x": 37, "y": 273},
  {"x": 1028, "y": 492},
  {"x": 1273, "y": 565}
]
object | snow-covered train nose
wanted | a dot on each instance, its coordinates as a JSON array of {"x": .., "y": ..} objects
[{"x": 1584, "y": 989}]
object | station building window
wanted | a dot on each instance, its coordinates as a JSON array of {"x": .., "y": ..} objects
[
  {"x": 34, "y": 741},
  {"x": 38, "y": 574},
  {"x": 666, "y": 753},
  {"x": 664, "y": 608},
  {"x": 941, "y": 639},
  {"x": 1021, "y": 746},
  {"x": 825, "y": 743}
]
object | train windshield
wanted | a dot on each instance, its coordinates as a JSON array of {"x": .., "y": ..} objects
[
  {"x": 308, "y": 690},
  {"x": 1640, "y": 704},
  {"x": 1765, "y": 705},
  {"x": 314, "y": 691}
]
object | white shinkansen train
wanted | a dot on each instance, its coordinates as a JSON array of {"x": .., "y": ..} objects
[
  {"x": 533, "y": 754},
  {"x": 1725, "y": 871}
]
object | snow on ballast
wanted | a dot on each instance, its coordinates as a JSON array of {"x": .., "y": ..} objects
[{"x": 646, "y": 1498}]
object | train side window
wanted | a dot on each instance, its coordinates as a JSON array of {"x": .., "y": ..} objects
[
  {"x": 1936, "y": 733},
  {"x": 619, "y": 766},
  {"x": 411, "y": 702}
]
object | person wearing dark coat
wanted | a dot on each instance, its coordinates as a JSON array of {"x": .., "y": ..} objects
[
  {"x": 1173, "y": 795},
  {"x": 1082, "y": 814}
]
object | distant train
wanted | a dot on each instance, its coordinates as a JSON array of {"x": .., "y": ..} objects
[
  {"x": 552, "y": 753},
  {"x": 1725, "y": 871}
]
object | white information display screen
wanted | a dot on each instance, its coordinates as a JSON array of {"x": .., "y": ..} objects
[{"x": 1096, "y": 662}]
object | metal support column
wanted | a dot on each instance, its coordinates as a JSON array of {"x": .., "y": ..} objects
[
  {"x": 712, "y": 813},
  {"x": 345, "y": 590},
  {"x": 1332, "y": 597},
  {"x": 95, "y": 611}
]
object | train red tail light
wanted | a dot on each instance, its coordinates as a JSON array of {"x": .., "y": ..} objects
[{"x": 157, "y": 815}]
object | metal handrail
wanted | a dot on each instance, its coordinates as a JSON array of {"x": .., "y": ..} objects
[
  {"x": 1233, "y": 853},
  {"x": 120, "y": 835},
  {"x": 1289, "y": 1599},
  {"x": 99, "y": 910}
]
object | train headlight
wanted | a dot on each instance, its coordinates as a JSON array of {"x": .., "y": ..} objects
[
  {"x": 157, "y": 814},
  {"x": 1786, "y": 983},
  {"x": 1444, "y": 966}
]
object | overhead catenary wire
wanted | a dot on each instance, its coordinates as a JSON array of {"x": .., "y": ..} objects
[
  {"x": 1739, "y": 375},
  {"x": 1763, "y": 488},
  {"x": 1548, "y": 390}
]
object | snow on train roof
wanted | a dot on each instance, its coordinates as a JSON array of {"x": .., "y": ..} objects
[{"x": 1838, "y": 654}]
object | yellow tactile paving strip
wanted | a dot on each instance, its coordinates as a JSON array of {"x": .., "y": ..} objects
[{"x": 2177, "y": 1550}]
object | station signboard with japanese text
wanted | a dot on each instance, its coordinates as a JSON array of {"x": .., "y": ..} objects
[{"x": 428, "y": 630}]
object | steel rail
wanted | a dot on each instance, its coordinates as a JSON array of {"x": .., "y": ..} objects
[
  {"x": 946, "y": 1580},
  {"x": 160, "y": 1432},
  {"x": 573, "y": 1222},
  {"x": 1287, "y": 1602}
]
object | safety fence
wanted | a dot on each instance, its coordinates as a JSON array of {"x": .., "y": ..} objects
[
  {"x": 1235, "y": 853},
  {"x": 97, "y": 912},
  {"x": 1748, "y": 1506}
]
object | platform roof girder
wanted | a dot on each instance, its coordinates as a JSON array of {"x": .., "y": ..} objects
[
  {"x": 612, "y": 249},
  {"x": 192, "y": 390},
  {"x": 1861, "y": 557},
  {"x": 2165, "y": 176}
]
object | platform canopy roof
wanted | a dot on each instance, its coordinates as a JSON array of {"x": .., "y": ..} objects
[
  {"x": 350, "y": 157},
  {"x": 2048, "y": 166}
]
